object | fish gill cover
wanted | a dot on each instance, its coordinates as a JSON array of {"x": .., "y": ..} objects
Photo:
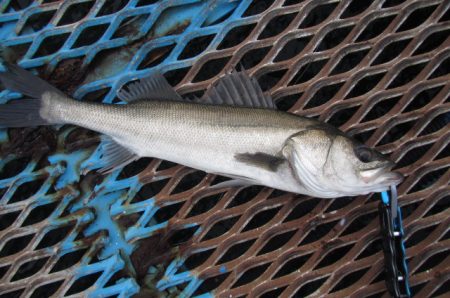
[{"x": 379, "y": 70}]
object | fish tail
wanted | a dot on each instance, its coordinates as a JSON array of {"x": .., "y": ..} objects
[{"x": 33, "y": 111}]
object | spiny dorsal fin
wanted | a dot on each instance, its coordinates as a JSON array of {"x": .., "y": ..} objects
[
  {"x": 154, "y": 87},
  {"x": 114, "y": 155},
  {"x": 238, "y": 89}
]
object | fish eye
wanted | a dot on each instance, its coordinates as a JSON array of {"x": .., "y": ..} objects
[{"x": 364, "y": 154}]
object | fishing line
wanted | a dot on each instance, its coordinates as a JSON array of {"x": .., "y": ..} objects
[{"x": 396, "y": 269}]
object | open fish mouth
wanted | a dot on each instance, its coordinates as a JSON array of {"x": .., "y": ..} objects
[{"x": 382, "y": 175}]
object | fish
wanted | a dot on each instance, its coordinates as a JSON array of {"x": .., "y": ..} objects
[{"x": 233, "y": 130}]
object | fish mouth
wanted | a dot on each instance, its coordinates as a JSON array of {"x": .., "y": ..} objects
[{"x": 382, "y": 174}]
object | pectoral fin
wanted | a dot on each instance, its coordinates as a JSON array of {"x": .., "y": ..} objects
[{"x": 260, "y": 160}]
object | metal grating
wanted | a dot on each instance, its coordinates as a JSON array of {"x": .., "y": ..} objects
[{"x": 377, "y": 69}]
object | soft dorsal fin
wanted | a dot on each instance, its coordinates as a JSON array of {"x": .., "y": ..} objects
[
  {"x": 154, "y": 87},
  {"x": 238, "y": 89}
]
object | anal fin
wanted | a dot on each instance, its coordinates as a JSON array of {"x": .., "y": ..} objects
[{"x": 114, "y": 155}]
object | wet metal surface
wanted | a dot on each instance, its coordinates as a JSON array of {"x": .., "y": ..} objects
[{"x": 377, "y": 69}]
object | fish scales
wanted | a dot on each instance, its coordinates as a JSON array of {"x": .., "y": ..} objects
[{"x": 211, "y": 135}]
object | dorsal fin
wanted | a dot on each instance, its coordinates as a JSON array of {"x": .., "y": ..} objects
[
  {"x": 154, "y": 87},
  {"x": 238, "y": 89},
  {"x": 234, "y": 89}
]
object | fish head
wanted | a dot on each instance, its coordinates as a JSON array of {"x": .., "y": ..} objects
[{"x": 329, "y": 164}]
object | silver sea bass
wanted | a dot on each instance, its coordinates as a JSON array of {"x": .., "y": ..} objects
[{"x": 234, "y": 131}]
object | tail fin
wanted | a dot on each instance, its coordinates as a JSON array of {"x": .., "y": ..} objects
[
  {"x": 24, "y": 112},
  {"x": 19, "y": 80}
]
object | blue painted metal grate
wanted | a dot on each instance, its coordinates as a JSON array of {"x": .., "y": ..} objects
[{"x": 378, "y": 69}]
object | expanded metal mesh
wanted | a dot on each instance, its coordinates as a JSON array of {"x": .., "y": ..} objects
[{"x": 377, "y": 69}]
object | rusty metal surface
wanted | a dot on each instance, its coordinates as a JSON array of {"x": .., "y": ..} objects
[{"x": 377, "y": 69}]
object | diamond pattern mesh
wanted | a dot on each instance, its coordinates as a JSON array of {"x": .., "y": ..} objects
[{"x": 379, "y": 70}]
